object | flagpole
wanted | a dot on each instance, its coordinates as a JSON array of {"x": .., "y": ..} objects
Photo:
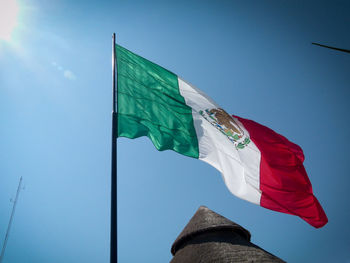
[{"x": 114, "y": 210}]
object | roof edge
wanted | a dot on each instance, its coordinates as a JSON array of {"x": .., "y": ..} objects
[{"x": 235, "y": 230}]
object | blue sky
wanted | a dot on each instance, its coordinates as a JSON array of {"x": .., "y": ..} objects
[{"x": 254, "y": 58}]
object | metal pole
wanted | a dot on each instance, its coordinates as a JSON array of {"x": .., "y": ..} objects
[
  {"x": 335, "y": 48},
  {"x": 114, "y": 210},
  {"x": 10, "y": 222}
]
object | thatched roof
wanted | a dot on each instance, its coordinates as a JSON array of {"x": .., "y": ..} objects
[{"x": 210, "y": 237}]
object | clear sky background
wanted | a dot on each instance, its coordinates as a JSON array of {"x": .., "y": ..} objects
[{"x": 254, "y": 58}]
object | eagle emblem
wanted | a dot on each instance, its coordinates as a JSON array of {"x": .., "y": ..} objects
[{"x": 224, "y": 122}]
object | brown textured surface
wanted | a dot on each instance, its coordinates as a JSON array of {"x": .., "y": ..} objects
[
  {"x": 209, "y": 238},
  {"x": 205, "y": 220}
]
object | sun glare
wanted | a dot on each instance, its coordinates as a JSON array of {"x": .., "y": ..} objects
[{"x": 8, "y": 18}]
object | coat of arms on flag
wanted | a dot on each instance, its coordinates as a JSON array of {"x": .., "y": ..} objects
[{"x": 225, "y": 123}]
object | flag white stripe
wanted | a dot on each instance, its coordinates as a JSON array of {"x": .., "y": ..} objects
[{"x": 240, "y": 168}]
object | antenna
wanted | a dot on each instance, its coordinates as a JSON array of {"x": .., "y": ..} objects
[{"x": 10, "y": 222}]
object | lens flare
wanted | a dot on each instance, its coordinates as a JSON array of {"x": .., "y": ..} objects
[{"x": 8, "y": 18}]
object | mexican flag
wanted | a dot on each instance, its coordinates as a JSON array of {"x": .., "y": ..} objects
[{"x": 256, "y": 163}]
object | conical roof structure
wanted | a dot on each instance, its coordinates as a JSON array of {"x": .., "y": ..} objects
[{"x": 210, "y": 237}]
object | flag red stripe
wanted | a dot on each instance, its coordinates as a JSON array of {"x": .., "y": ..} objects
[{"x": 284, "y": 182}]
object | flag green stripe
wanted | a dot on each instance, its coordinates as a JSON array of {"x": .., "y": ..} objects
[{"x": 150, "y": 104}]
